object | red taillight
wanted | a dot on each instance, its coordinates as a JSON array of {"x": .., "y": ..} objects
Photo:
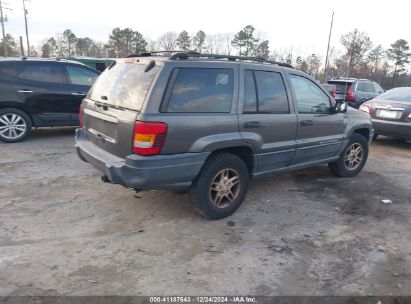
[
  {"x": 80, "y": 115},
  {"x": 350, "y": 94},
  {"x": 365, "y": 109},
  {"x": 149, "y": 137},
  {"x": 334, "y": 93}
]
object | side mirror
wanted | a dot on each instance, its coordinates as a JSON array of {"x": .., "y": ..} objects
[{"x": 340, "y": 107}]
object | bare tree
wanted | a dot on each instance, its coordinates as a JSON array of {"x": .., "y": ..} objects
[
  {"x": 356, "y": 43},
  {"x": 168, "y": 41}
]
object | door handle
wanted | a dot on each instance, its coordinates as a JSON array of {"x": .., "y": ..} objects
[
  {"x": 78, "y": 94},
  {"x": 306, "y": 122},
  {"x": 25, "y": 91},
  {"x": 252, "y": 124}
]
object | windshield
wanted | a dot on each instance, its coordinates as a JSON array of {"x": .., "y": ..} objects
[
  {"x": 124, "y": 85},
  {"x": 398, "y": 94}
]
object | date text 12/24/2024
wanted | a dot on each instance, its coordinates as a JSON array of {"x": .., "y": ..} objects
[{"x": 203, "y": 299}]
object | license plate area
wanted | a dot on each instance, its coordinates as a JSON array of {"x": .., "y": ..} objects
[{"x": 388, "y": 114}]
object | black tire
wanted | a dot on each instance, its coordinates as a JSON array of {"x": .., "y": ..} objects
[
  {"x": 224, "y": 167},
  {"x": 375, "y": 137},
  {"x": 340, "y": 167},
  {"x": 21, "y": 119}
]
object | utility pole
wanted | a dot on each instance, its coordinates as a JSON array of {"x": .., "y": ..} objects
[
  {"x": 328, "y": 48},
  {"x": 3, "y": 19},
  {"x": 21, "y": 46},
  {"x": 27, "y": 30}
]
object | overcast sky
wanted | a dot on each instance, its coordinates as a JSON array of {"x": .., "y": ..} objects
[{"x": 303, "y": 25}]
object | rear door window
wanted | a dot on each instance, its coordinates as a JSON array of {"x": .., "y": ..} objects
[
  {"x": 10, "y": 69},
  {"x": 39, "y": 72},
  {"x": 201, "y": 90},
  {"x": 370, "y": 87},
  {"x": 124, "y": 84},
  {"x": 361, "y": 87},
  {"x": 269, "y": 96}
]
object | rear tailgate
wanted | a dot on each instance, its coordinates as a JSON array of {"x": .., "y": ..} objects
[
  {"x": 341, "y": 88},
  {"x": 113, "y": 103}
]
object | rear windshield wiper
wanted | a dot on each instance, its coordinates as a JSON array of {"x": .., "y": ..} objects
[{"x": 106, "y": 105}]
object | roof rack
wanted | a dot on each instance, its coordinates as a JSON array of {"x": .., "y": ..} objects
[
  {"x": 179, "y": 55},
  {"x": 192, "y": 54},
  {"x": 346, "y": 78},
  {"x": 148, "y": 54}
]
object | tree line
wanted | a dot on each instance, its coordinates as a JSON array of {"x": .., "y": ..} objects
[{"x": 360, "y": 58}]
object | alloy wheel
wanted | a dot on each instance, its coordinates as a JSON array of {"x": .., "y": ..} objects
[
  {"x": 353, "y": 156},
  {"x": 12, "y": 126},
  {"x": 225, "y": 188}
]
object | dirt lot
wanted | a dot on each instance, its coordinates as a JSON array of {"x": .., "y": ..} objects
[{"x": 64, "y": 232}]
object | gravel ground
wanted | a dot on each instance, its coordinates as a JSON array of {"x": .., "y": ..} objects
[{"x": 64, "y": 232}]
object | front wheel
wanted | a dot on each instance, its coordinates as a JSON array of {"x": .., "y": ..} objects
[
  {"x": 221, "y": 186},
  {"x": 352, "y": 159}
]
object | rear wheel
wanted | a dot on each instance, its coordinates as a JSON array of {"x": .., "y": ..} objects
[
  {"x": 353, "y": 158},
  {"x": 221, "y": 186},
  {"x": 15, "y": 125}
]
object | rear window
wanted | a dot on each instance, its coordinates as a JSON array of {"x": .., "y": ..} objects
[
  {"x": 201, "y": 90},
  {"x": 341, "y": 86},
  {"x": 398, "y": 94},
  {"x": 81, "y": 76},
  {"x": 124, "y": 85}
]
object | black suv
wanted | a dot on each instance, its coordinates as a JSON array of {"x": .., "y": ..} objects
[
  {"x": 40, "y": 93},
  {"x": 355, "y": 91},
  {"x": 210, "y": 123}
]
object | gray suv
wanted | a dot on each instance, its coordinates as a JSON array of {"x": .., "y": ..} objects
[
  {"x": 355, "y": 91},
  {"x": 211, "y": 123}
]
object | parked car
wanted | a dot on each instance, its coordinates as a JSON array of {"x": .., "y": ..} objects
[
  {"x": 391, "y": 113},
  {"x": 210, "y": 123},
  {"x": 355, "y": 91},
  {"x": 40, "y": 93}
]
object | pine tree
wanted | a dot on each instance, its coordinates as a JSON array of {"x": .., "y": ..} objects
[
  {"x": 183, "y": 41},
  {"x": 399, "y": 53},
  {"x": 244, "y": 40},
  {"x": 198, "y": 41}
]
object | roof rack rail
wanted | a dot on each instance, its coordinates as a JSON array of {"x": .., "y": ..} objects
[
  {"x": 192, "y": 54},
  {"x": 175, "y": 55},
  {"x": 346, "y": 78},
  {"x": 148, "y": 54}
]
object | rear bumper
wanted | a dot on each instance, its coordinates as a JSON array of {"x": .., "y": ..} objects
[
  {"x": 172, "y": 172},
  {"x": 392, "y": 128}
]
